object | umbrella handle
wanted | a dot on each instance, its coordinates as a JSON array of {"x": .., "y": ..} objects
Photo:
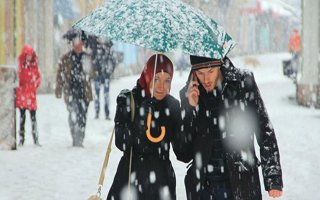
[{"x": 149, "y": 136}]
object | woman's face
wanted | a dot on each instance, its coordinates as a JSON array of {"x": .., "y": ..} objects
[
  {"x": 28, "y": 57},
  {"x": 162, "y": 85}
]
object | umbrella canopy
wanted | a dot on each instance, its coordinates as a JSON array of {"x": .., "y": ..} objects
[{"x": 161, "y": 25}]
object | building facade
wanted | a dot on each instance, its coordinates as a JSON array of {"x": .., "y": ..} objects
[{"x": 40, "y": 24}]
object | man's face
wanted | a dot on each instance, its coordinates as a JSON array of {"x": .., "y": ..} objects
[
  {"x": 77, "y": 45},
  {"x": 208, "y": 77}
]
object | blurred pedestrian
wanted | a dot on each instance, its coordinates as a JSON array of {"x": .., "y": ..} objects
[
  {"x": 224, "y": 112},
  {"x": 73, "y": 78},
  {"x": 26, "y": 93},
  {"x": 104, "y": 64},
  {"x": 294, "y": 47},
  {"x": 154, "y": 126},
  {"x": 294, "y": 44}
]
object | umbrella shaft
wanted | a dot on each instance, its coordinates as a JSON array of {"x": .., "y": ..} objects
[{"x": 154, "y": 74}]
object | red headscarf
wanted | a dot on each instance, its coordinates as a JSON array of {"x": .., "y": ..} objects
[
  {"x": 27, "y": 50},
  {"x": 163, "y": 64}
]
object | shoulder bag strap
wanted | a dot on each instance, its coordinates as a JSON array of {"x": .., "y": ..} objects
[
  {"x": 132, "y": 106},
  {"x": 106, "y": 159}
]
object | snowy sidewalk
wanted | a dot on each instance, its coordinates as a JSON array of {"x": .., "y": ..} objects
[{"x": 57, "y": 171}]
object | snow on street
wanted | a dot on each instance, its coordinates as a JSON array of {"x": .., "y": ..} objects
[{"x": 57, "y": 171}]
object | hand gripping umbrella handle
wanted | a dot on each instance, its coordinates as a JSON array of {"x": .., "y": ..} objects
[{"x": 149, "y": 136}]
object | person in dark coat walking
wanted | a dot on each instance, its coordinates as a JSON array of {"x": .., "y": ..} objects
[
  {"x": 73, "y": 78},
  {"x": 104, "y": 64},
  {"x": 149, "y": 136},
  {"x": 224, "y": 111},
  {"x": 26, "y": 93}
]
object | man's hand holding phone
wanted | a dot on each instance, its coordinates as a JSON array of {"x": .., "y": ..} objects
[{"x": 193, "y": 90}]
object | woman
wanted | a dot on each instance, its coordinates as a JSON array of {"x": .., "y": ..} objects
[
  {"x": 148, "y": 135},
  {"x": 29, "y": 81}
]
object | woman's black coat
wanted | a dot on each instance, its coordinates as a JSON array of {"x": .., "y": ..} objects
[
  {"x": 242, "y": 115},
  {"x": 152, "y": 174}
]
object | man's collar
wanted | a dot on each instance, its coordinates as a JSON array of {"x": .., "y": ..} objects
[{"x": 229, "y": 72}]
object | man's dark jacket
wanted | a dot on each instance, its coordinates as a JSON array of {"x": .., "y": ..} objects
[{"x": 242, "y": 117}]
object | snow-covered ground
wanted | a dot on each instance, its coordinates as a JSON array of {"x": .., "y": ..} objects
[{"x": 57, "y": 171}]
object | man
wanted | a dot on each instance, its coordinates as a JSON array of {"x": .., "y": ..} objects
[
  {"x": 104, "y": 65},
  {"x": 222, "y": 112},
  {"x": 73, "y": 78}
]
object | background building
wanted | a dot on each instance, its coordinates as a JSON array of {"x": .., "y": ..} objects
[{"x": 40, "y": 24}]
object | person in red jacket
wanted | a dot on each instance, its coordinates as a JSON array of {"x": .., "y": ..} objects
[
  {"x": 29, "y": 81},
  {"x": 294, "y": 44},
  {"x": 294, "y": 47}
]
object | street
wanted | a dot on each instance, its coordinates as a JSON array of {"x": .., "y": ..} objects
[{"x": 58, "y": 171}]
